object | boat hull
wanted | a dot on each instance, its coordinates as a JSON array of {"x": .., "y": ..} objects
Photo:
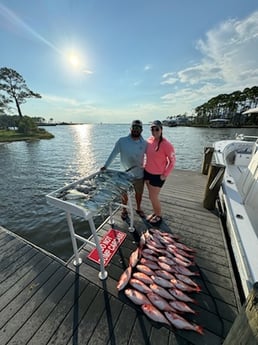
[{"x": 239, "y": 185}]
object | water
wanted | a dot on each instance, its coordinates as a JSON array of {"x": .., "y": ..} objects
[{"x": 30, "y": 170}]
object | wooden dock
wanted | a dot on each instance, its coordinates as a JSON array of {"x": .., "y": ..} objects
[{"x": 44, "y": 301}]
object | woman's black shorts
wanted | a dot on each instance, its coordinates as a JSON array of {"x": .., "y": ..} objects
[{"x": 153, "y": 179}]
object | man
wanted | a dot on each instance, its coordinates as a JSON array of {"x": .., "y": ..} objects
[{"x": 131, "y": 149}]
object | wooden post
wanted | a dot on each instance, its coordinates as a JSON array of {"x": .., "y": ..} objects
[
  {"x": 207, "y": 157},
  {"x": 245, "y": 327},
  {"x": 215, "y": 176}
]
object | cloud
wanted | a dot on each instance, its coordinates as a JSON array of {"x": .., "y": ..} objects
[
  {"x": 199, "y": 74},
  {"x": 232, "y": 48},
  {"x": 170, "y": 78},
  {"x": 147, "y": 67},
  {"x": 71, "y": 105},
  {"x": 87, "y": 72},
  {"x": 137, "y": 82},
  {"x": 57, "y": 99},
  {"x": 228, "y": 63}
]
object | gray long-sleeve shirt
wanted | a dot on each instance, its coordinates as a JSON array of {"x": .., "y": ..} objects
[{"x": 131, "y": 154}]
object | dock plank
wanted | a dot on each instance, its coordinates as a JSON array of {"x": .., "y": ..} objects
[
  {"x": 52, "y": 312},
  {"x": 68, "y": 327}
]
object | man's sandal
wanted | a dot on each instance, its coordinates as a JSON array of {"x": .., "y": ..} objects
[{"x": 140, "y": 213}]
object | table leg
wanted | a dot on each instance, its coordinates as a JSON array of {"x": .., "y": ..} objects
[
  {"x": 77, "y": 260},
  {"x": 131, "y": 227},
  {"x": 103, "y": 273}
]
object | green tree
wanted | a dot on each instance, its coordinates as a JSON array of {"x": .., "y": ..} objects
[
  {"x": 14, "y": 87},
  {"x": 27, "y": 126},
  {"x": 3, "y": 104}
]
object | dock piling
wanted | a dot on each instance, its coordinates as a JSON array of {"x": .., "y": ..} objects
[
  {"x": 207, "y": 157},
  {"x": 245, "y": 327},
  {"x": 215, "y": 176}
]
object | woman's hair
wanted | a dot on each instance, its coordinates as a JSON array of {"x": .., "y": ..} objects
[{"x": 160, "y": 140}]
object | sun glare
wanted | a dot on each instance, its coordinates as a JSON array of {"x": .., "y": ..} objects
[{"x": 74, "y": 60}]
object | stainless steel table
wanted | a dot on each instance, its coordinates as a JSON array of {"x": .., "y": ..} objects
[{"x": 90, "y": 196}]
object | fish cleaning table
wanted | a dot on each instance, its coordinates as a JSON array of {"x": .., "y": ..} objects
[{"x": 90, "y": 196}]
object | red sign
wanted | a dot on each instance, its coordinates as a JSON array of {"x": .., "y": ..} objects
[{"x": 109, "y": 245}]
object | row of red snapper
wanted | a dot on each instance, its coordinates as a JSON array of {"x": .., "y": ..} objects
[{"x": 160, "y": 278}]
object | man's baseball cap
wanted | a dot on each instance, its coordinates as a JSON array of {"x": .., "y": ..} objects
[{"x": 137, "y": 123}]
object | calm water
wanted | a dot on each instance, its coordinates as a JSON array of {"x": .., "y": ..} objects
[{"x": 30, "y": 170}]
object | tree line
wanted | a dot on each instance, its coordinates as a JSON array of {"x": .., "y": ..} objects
[{"x": 230, "y": 107}]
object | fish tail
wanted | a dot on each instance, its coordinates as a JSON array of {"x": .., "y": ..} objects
[
  {"x": 199, "y": 329},
  {"x": 198, "y": 288}
]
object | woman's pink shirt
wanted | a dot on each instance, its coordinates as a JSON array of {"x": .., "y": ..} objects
[{"x": 159, "y": 162}]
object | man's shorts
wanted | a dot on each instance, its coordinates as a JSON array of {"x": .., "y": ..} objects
[
  {"x": 154, "y": 180},
  {"x": 138, "y": 185}
]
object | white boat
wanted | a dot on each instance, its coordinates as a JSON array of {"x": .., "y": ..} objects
[
  {"x": 251, "y": 111},
  {"x": 218, "y": 123},
  {"x": 238, "y": 197}
]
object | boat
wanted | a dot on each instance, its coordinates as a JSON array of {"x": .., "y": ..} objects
[
  {"x": 218, "y": 123},
  {"x": 251, "y": 111},
  {"x": 238, "y": 199}
]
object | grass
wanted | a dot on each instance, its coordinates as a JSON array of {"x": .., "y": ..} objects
[{"x": 12, "y": 135}]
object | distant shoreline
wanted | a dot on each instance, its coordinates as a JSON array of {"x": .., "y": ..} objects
[{"x": 59, "y": 124}]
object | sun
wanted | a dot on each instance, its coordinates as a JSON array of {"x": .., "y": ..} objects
[{"x": 74, "y": 60}]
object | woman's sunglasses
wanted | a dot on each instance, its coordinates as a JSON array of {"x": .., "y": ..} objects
[{"x": 156, "y": 129}]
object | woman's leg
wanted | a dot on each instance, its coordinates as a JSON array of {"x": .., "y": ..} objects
[{"x": 154, "y": 198}]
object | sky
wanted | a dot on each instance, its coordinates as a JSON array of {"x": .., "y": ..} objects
[{"x": 113, "y": 61}]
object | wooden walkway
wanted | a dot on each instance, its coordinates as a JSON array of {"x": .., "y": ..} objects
[{"x": 44, "y": 302}]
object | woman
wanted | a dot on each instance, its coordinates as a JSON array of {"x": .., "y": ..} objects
[{"x": 160, "y": 161}]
